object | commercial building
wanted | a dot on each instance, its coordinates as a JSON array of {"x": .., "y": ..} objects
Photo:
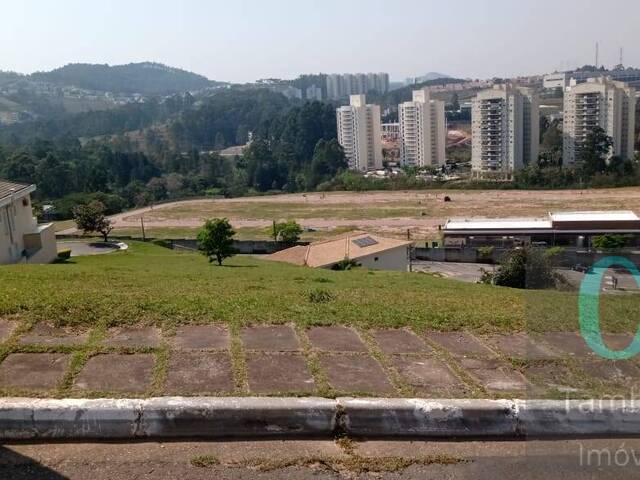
[
  {"x": 359, "y": 133},
  {"x": 423, "y": 132},
  {"x": 600, "y": 102},
  {"x": 22, "y": 240},
  {"x": 346, "y": 84},
  {"x": 504, "y": 129},
  {"x": 367, "y": 250},
  {"x": 571, "y": 229}
]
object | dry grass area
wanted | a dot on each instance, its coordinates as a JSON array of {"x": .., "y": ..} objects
[{"x": 384, "y": 212}]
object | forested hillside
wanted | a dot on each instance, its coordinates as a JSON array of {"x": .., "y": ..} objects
[{"x": 144, "y": 78}]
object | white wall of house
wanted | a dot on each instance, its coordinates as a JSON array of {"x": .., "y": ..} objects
[
  {"x": 16, "y": 221},
  {"x": 393, "y": 259}
]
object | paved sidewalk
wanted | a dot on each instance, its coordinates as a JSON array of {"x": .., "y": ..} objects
[{"x": 284, "y": 360}]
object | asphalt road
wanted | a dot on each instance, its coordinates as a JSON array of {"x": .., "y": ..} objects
[{"x": 319, "y": 460}]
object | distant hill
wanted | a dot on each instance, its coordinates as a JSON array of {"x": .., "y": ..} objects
[
  {"x": 145, "y": 78},
  {"x": 431, "y": 76},
  {"x": 9, "y": 77}
]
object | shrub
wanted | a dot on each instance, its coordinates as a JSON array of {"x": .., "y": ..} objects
[
  {"x": 609, "y": 241},
  {"x": 64, "y": 254},
  {"x": 523, "y": 268},
  {"x": 346, "y": 264},
  {"x": 287, "y": 232},
  {"x": 485, "y": 253},
  {"x": 320, "y": 295}
]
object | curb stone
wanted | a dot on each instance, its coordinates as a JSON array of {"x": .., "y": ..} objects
[
  {"x": 216, "y": 417},
  {"x": 432, "y": 418},
  {"x": 578, "y": 417}
]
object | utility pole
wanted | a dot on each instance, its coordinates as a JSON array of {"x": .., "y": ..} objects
[
  {"x": 597, "y": 53},
  {"x": 144, "y": 237}
]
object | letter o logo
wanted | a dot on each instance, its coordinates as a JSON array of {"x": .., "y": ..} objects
[{"x": 589, "y": 309}]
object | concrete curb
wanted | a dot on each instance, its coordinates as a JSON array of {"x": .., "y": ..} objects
[
  {"x": 215, "y": 417},
  {"x": 431, "y": 418}
]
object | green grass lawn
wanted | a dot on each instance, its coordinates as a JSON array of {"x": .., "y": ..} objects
[{"x": 150, "y": 284}]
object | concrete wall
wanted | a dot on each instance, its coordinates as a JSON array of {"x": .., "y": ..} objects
[
  {"x": 396, "y": 259},
  {"x": 16, "y": 220},
  {"x": 49, "y": 250}
]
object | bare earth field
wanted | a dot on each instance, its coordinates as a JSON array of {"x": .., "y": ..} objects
[{"x": 384, "y": 212}]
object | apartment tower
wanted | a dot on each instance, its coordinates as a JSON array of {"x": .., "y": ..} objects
[
  {"x": 346, "y": 84},
  {"x": 600, "y": 102},
  {"x": 422, "y": 130},
  {"x": 359, "y": 133},
  {"x": 505, "y": 130}
]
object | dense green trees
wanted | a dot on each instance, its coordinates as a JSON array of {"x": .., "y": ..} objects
[
  {"x": 295, "y": 152},
  {"x": 145, "y": 78}
]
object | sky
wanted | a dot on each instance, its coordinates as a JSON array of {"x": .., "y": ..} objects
[{"x": 244, "y": 40}]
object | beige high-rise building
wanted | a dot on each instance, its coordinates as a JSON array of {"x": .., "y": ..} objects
[
  {"x": 422, "y": 130},
  {"x": 600, "y": 102},
  {"x": 505, "y": 129},
  {"x": 359, "y": 133}
]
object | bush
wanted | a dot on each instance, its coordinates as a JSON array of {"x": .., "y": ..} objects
[
  {"x": 346, "y": 264},
  {"x": 523, "y": 268},
  {"x": 320, "y": 295},
  {"x": 485, "y": 253},
  {"x": 609, "y": 241},
  {"x": 287, "y": 232},
  {"x": 64, "y": 254}
]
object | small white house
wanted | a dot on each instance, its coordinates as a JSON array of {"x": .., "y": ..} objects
[
  {"x": 22, "y": 240},
  {"x": 368, "y": 250}
]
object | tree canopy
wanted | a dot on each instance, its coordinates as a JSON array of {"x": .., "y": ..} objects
[{"x": 215, "y": 240}]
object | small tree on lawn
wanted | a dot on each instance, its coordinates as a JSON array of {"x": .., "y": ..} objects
[
  {"x": 91, "y": 218},
  {"x": 215, "y": 240},
  {"x": 287, "y": 232}
]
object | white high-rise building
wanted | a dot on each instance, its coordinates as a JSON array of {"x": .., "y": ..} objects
[
  {"x": 313, "y": 93},
  {"x": 359, "y": 133},
  {"x": 422, "y": 130},
  {"x": 334, "y": 86},
  {"x": 343, "y": 85},
  {"x": 505, "y": 126},
  {"x": 600, "y": 102}
]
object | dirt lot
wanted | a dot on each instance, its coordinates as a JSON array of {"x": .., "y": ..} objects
[{"x": 387, "y": 212}]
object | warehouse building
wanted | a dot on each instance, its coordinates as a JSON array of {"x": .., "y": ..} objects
[{"x": 570, "y": 229}]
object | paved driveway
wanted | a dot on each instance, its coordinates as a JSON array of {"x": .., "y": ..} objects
[
  {"x": 81, "y": 249},
  {"x": 466, "y": 272}
]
